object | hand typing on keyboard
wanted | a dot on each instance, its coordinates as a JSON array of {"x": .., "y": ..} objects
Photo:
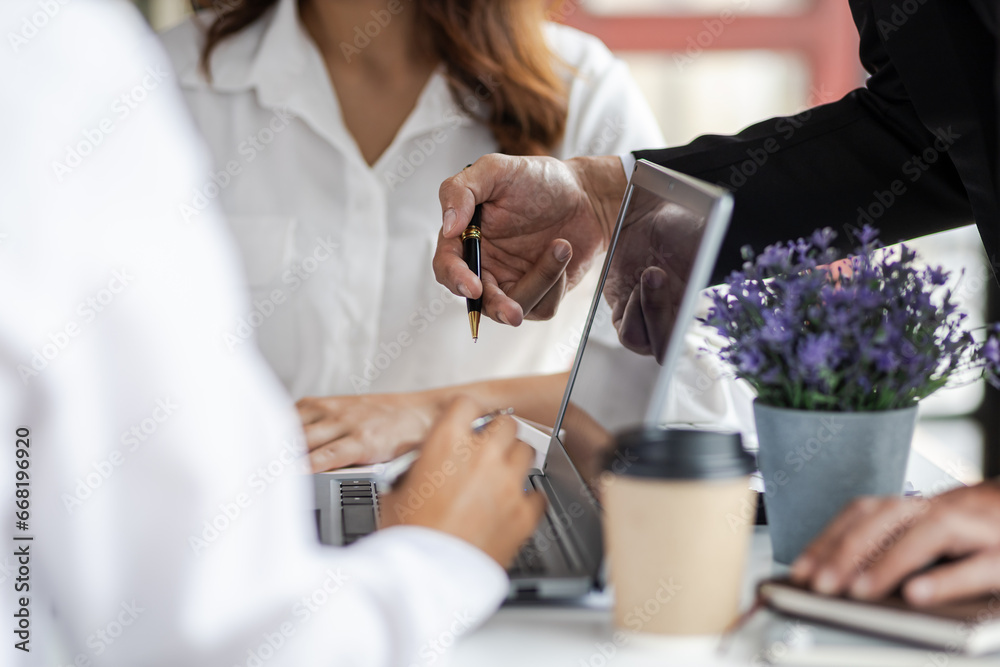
[{"x": 470, "y": 484}]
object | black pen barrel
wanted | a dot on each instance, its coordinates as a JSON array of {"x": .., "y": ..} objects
[{"x": 471, "y": 251}]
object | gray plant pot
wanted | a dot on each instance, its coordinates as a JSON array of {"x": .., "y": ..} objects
[{"x": 814, "y": 463}]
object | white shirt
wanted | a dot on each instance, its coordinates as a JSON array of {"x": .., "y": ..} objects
[
  {"x": 170, "y": 522},
  {"x": 346, "y": 248}
]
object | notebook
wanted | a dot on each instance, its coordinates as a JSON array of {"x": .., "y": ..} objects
[{"x": 970, "y": 627}]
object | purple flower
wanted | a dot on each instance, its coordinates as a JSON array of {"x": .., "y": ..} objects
[
  {"x": 881, "y": 335},
  {"x": 991, "y": 351},
  {"x": 750, "y": 362},
  {"x": 774, "y": 257},
  {"x": 816, "y": 352},
  {"x": 822, "y": 238},
  {"x": 775, "y": 328},
  {"x": 868, "y": 299},
  {"x": 886, "y": 361},
  {"x": 802, "y": 250},
  {"x": 937, "y": 276},
  {"x": 868, "y": 235},
  {"x": 771, "y": 376}
]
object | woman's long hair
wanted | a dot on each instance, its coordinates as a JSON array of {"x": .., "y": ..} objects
[{"x": 495, "y": 55}]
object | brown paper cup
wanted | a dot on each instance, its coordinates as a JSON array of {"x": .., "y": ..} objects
[{"x": 677, "y": 551}]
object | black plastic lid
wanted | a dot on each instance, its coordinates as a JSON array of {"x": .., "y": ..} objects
[{"x": 671, "y": 453}]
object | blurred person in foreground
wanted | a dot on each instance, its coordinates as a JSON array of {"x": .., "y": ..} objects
[
  {"x": 167, "y": 503},
  {"x": 912, "y": 152}
]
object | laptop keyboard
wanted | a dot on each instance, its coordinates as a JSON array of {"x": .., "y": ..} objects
[
  {"x": 358, "y": 508},
  {"x": 359, "y": 517}
]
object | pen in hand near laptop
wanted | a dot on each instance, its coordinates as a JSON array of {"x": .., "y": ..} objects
[
  {"x": 482, "y": 422},
  {"x": 471, "y": 247},
  {"x": 394, "y": 470}
]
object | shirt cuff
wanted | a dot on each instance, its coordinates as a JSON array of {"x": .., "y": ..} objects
[{"x": 628, "y": 164}]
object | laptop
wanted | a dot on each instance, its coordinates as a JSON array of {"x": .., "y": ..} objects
[{"x": 609, "y": 388}]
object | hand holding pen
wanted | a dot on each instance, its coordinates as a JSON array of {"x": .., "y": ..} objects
[{"x": 540, "y": 231}]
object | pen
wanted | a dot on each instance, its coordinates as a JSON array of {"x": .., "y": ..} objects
[
  {"x": 394, "y": 470},
  {"x": 482, "y": 422},
  {"x": 471, "y": 248}
]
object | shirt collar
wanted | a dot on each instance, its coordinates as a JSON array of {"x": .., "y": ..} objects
[
  {"x": 276, "y": 57},
  {"x": 269, "y": 49}
]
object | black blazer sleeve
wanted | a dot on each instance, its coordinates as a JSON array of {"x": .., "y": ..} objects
[{"x": 865, "y": 158}]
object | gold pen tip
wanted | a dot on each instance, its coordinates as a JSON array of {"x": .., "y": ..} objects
[{"x": 474, "y": 325}]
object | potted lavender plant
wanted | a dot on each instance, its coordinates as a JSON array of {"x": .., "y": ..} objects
[{"x": 839, "y": 355}]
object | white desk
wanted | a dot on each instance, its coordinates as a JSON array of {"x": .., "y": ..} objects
[{"x": 582, "y": 635}]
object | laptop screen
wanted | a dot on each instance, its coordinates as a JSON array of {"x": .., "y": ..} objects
[{"x": 668, "y": 234}]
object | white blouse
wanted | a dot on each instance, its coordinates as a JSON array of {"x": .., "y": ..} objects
[{"x": 338, "y": 253}]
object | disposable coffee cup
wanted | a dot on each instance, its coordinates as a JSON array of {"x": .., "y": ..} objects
[{"x": 679, "y": 513}]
